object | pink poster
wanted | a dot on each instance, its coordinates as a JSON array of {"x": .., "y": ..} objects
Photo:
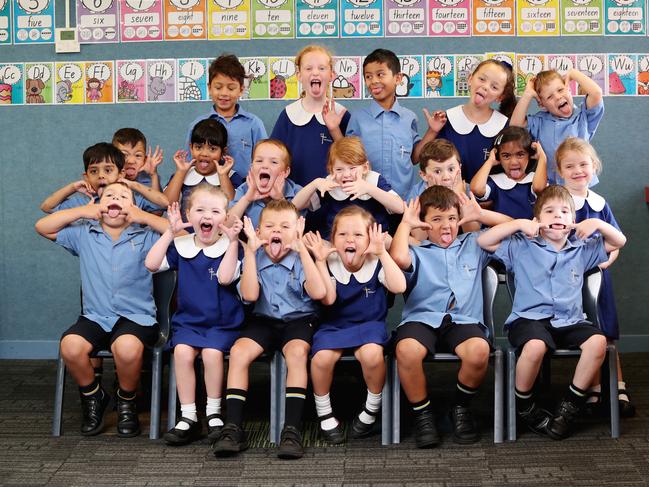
[
  {"x": 131, "y": 81},
  {"x": 141, "y": 20},
  {"x": 449, "y": 18}
]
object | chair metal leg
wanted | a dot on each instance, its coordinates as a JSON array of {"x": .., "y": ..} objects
[
  {"x": 156, "y": 391},
  {"x": 396, "y": 403},
  {"x": 511, "y": 396},
  {"x": 386, "y": 406},
  {"x": 173, "y": 398},
  {"x": 57, "y": 416},
  {"x": 499, "y": 423},
  {"x": 277, "y": 387},
  {"x": 613, "y": 391}
]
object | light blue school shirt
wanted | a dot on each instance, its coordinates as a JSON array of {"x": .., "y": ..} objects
[
  {"x": 282, "y": 295},
  {"x": 114, "y": 281},
  {"x": 244, "y": 130},
  {"x": 389, "y": 137},
  {"x": 549, "y": 281},
  {"x": 445, "y": 282},
  {"x": 550, "y": 131},
  {"x": 79, "y": 199},
  {"x": 254, "y": 209}
]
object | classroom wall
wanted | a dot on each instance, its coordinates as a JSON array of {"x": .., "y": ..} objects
[{"x": 41, "y": 147}]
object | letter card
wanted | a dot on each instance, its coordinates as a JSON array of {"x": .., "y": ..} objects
[
  {"x": 272, "y": 19},
  {"x": 361, "y": 18},
  {"x": 33, "y": 21},
  {"x": 464, "y": 66},
  {"x": 643, "y": 74},
  {"x": 582, "y": 17},
  {"x": 228, "y": 19},
  {"x": 161, "y": 80},
  {"x": 440, "y": 75},
  {"x": 38, "y": 83},
  {"x": 449, "y": 18},
  {"x": 592, "y": 65},
  {"x": 493, "y": 17},
  {"x": 622, "y": 69},
  {"x": 100, "y": 81},
  {"x": 97, "y": 21},
  {"x": 184, "y": 20},
  {"x": 12, "y": 84},
  {"x": 141, "y": 20},
  {"x": 131, "y": 81},
  {"x": 406, "y": 18},
  {"x": 348, "y": 81},
  {"x": 192, "y": 80},
  {"x": 537, "y": 17},
  {"x": 283, "y": 82},
  {"x": 527, "y": 67},
  {"x": 69, "y": 83},
  {"x": 257, "y": 82},
  {"x": 626, "y": 17},
  {"x": 316, "y": 18},
  {"x": 411, "y": 85}
]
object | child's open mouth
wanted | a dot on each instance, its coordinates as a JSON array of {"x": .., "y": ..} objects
[
  {"x": 264, "y": 181},
  {"x": 446, "y": 238},
  {"x": 206, "y": 229},
  {"x": 114, "y": 210},
  {"x": 350, "y": 253},
  {"x": 558, "y": 226},
  {"x": 203, "y": 164},
  {"x": 275, "y": 247},
  {"x": 515, "y": 173}
]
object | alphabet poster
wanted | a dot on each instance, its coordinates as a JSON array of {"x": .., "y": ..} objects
[
  {"x": 493, "y": 17},
  {"x": 192, "y": 80},
  {"x": 97, "y": 21},
  {"x": 257, "y": 82},
  {"x": 643, "y": 74},
  {"x": 38, "y": 83},
  {"x": 69, "y": 88},
  {"x": 449, "y": 18},
  {"x": 33, "y": 21},
  {"x": 161, "y": 80},
  {"x": 440, "y": 75},
  {"x": 537, "y": 17},
  {"x": 527, "y": 67},
  {"x": 361, "y": 18},
  {"x": 563, "y": 63},
  {"x": 12, "y": 84},
  {"x": 228, "y": 19},
  {"x": 131, "y": 81},
  {"x": 141, "y": 20},
  {"x": 99, "y": 84},
  {"x": 593, "y": 66},
  {"x": 316, "y": 18},
  {"x": 283, "y": 82},
  {"x": 622, "y": 74},
  {"x": 5, "y": 22},
  {"x": 184, "y": 20},
  {"x": 412, "y": 77},
  {"x": 272, "y": 19},
  {"x": 626, "y": 17},
  {"x": 406, "y": 18},
  {"x": 464, "y": 66},
  {"x": 348, "y": 82},
  {"x": 582, "y": 17}
]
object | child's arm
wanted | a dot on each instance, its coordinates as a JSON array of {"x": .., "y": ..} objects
[
  {"x": 228, "y": 268},
  {"x": 249, "y": 278},
  {"x": 313, "y": 284},
  {"x": 151, "y": 194},
  {"x": 333, "y": 119},
  {"x": 140, "y": 217},
  {"x": 223, "y": 172},
  {"x": 313, "y": 243},
  {"x": 175, "y": 186},
  {"x": 479, "y": 181},
  {"x": 519, "y": 115},
  {"x": 391, "y": 201},
  {"x": 473, "y": 212},
  {"x": 60, "y": 195},
  {"x": 394, "y": 280},
  {"x": 158, "y": 251},
  {"x": 50, "y": 225},
  {"x": 399, "y": 249},
  {"x": 435, "y": 122},
  {"x": 151, "y": 163},
  {"x": 302, "y": 199},
  {"x": 240, "y": 207},
  {"x": 592, "y": 89},
  {"x": 540, "y": 180},
  {"x": 490, "y": 240},
  {"x": 613, "y": 238}
]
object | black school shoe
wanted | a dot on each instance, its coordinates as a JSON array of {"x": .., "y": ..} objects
[
  {"x": 290, "y": 443},
  {"x": 536, "y": 419},
  {"x": 363, "y": 430},
  {"x": 177, "y": 437},
  {"x": 93, "y": 409},
  {"x": 558, "y": 427},
  {"x": 465, "y": 428},
  {"x": 232, "y": 440},
  {"x": 128, "y": 424},
  {"x": 627, "y": 409},
  {"x": 426, "y": 435},
  {"x": 214, "y": 432},
  {"x": 336, "y": 435}
]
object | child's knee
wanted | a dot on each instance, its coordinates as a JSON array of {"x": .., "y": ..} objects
[
  {"x": 184, "y": 355},
  {"x": 371, "y": 355},
  {"x": 476, "y": 354},
  {"x": 596, "y": 345},
  {"x": 296, "y": 353},
  {"x": 534, "y": 350},
  {"x": 75, "y": 348},
  {"x": 127, "y": 349},
  {"x": 409, "y": 352},
  {"x": 324, "y": 360}
]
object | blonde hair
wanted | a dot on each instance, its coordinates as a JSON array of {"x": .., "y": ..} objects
[
  {"x": 205, "y": 187},
  {"x": 276, "y": 143},
  {"x": 352, "y": 210},
  {"x": 278, "y": 205},
  {"x": 575, "y": 144},
  {"x": 349, "y": 150},
  {"x": 544, "y": 78},
  {"x": 313, "y": 48},
  {"x": 554, "y": 192}
]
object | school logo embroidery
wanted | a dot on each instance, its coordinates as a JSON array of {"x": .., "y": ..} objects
[{"x": 212, "y": 273}]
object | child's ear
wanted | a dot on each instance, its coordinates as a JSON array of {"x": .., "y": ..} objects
[
  {"x": 287, "y": 171},
  {"x": 422, "y": 175},
  {"x": 399, "y": 78},
  {"x": 85, "y": 177}
]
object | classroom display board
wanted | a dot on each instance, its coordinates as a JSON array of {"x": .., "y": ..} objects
[{"x": 32, "y": 21}]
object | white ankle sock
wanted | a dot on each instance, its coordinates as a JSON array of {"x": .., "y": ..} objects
[
  {"x": 594, "y": 398},
  {"x": 622, "y": 397},
  {"x": 373, "y": 404},
  {"x": 187, "y": 411},
  {"x": 213, "y": 407},
  {"x": 322, "y": 408}
]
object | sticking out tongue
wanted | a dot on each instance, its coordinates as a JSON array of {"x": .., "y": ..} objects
[
  {"x": 349, "y": 256},
  {"x": 515, "y": 173},
  {"x": 478, "y": 98},
  {"x": 275, "y": 247},
  {"x": 446, "y": 238},
  {"x": 264, "y": 181},
  {"x": 113, "y": 211}
]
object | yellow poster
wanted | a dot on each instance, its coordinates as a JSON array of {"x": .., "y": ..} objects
[
  {"x": 537, "y": 17},
  {"x": 283, "y": 81},
  {"x": 70, "y": 81},
  {"x": 228, "y": 19}
]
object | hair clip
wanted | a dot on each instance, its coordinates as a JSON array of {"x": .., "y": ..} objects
[
  {"x": 498, "y": 140},
  {"x": 506, "y": 64}
]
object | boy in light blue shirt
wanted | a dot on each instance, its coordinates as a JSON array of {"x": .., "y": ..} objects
[
  {"x": 118, "y": 307},
  {"x": 548, "y": 264},
  {"x": 443, "y": 305},
  {"x": 226, "y": 85},
  {"x": 281, "y": 279}
]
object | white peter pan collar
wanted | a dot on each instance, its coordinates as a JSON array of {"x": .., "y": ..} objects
[
  {"x": 193, "y": 178},
  {"x": 464, "y": 126},
  {"x": 595, "y": 201},
  {"x": 339, "y": 195},
  {"x": 299, "y": 116},
  {"x": 342, "y": 275},
  {"x": 505, "y": 182},
  {"x": 187, "y": 248}
]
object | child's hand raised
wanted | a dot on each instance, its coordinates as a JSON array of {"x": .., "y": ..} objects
[
  {"x": 530, "y": 91},
  {"x": 332, "y": 118},
  {"x": 232, "y": 231},
  {"x": 93, "y": 211},
  {"x": 84, "y": 187},
  {"x": 176, "y": 223},
  {"x": 277, "y": 191},
  {"x": 585, "y": 228},
  {"x": 470, "y": 209},
  {"x": 296, "y": 243},
  {"x": 356, "y": 188},
  {"x": 539, "y": 152},
  {"x": 377, "y": 241},
  {"x": 254, "y": 242},
  {"x": 252, "y": 193},
  {"x": 180, "y": 158},
  {"x": 323, "y": 185},
  {"x": 436, "y": 121},
  {"x": 314, "y": 244},
  {"x": 531, "y": 228},
  {"x": 224, "y": 169},
  {"x": 153, "y": 160},
  {"x": 493, "y": 160},
  {"x": 410, "y": 216}
]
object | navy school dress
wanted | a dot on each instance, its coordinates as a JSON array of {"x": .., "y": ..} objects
[
  {"x": 208, "y": 315},
  {"x": 358, "y": 315}
]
